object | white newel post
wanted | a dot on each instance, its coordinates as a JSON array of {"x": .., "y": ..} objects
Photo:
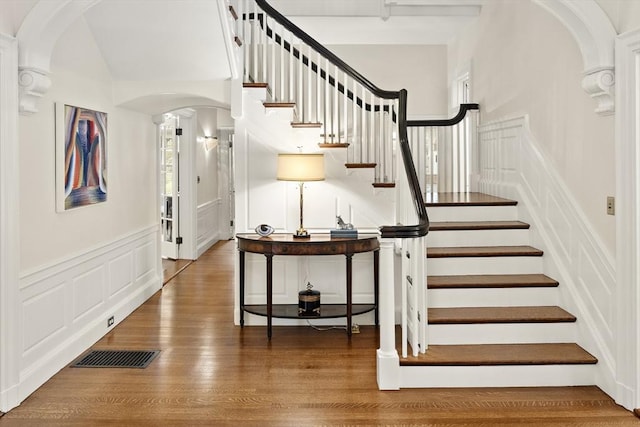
[{"x": 388, "y": 362}]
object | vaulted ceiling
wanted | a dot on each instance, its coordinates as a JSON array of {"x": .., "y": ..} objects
[{"x": 183, "y": 40}]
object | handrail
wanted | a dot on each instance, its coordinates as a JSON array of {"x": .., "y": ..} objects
[
  {"x": 278, "y": 17},
  {"x": 316, "y": 68},
  {"x": 422, "y": 228},
  {"x": 446, "y": 122}
]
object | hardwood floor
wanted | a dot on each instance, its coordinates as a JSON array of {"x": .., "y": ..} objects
[{"x": 213, "y": 373}]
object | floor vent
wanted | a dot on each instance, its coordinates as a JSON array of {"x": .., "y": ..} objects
[{"x": 116, "y": 359}]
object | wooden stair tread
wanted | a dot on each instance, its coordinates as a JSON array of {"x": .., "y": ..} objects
[
  {"x": 467, "y": 199},
  {"x": 333, "y": 145},
  {"x": 482, "y": 251},
  {"x": 501, "y": 354},
  {"x": 490, "y": 281},
  {"x": 475, "y": 315},
  {"x": 306, "y": 125},
  {"x": 255, "y": 84},
  {"x": 359, "y": 165},
  {"x": 384, "y": 184},
  {"x": 279, "y": 104},
  {"x": 477, "y": 225}
]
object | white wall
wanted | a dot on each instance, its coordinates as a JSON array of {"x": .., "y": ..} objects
[
  {"x": 208, "y": 199},
  {"x": 523, "y": 61},
  {"x": 80, "y": 77},
  {"x": 624, "y": 14},
  {"x": 80, "y": 267},
  {"x": 421, "y": 69},
  {"x": 13, "y": 12}
]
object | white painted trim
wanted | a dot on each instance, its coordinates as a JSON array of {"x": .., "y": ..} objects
[
  {"x": 37, "y": 36},
  {"x": 513, "y": 166},
  {"x": 228, "y": 35},
  {"x": 627, "y": 328},
  {"x": 10, "y": 320},
  {"x": 595, "y": 35},
  {"x": 387, "y": 359},
  {"x": 121, "y": 275},
  {"x": 208, "y": 213},
  {"x": 28, "y": 277}
]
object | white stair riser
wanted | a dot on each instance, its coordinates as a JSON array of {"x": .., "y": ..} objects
[
  {"x": 493, "y": 297},
  {"x": 496, "y": 376},
  {"x": 484, "y": 265},
  {"x": 448, "y": 238},
  {"x": 503, "y": 333},
  {"x": 472, "y": 213}
]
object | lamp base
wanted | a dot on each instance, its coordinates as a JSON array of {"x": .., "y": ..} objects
[{"x": 301, "y": 233}]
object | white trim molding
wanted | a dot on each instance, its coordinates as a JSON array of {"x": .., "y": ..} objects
[
  {"x": 68, "y": 302},
  {"x": 627, "y": 329},
  {"x": 9, "y": 225},
  {"x": 595, "y": 35},
  {"x": 37, "y": 36},
  {"x": 513, "y": 166}
]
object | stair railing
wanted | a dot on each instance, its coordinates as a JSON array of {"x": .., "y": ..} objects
[
  {"x": 353, "y": 113},
  {"x": 327, "y": 93},
  {"x": 444, "y": 151}
]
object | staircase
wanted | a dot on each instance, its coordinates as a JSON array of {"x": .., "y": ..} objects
[
  {"x": 493, "y": 318},
  {"x": 488, "y": 315}
]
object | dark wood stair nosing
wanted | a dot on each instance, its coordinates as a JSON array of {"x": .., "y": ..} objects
[
  {"x": 527, "y": 354},
  {"x": 333, "y": 144},
  {"x": 360, "y": 165},
  {"x": 477, "y": 225},
  {"x": 279, "y": 104},
  {"x": 498, "y": 315},
  {"x": 255, "y": 85},
  {"x": 483, "y": 251},
  {"x": 489, "y": 281}
]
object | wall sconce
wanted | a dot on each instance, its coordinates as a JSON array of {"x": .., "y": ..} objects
[
  {"x": 301, "y": 168},
  {"x": 210, "y": 142}
]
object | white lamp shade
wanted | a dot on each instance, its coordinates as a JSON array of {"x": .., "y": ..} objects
[{"x": 300, "y": 167}]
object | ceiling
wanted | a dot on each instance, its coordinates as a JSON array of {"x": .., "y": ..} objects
[{"x": 182, "y": 40}]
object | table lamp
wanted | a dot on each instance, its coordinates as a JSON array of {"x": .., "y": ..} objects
[{"x": 301, "y": 168}]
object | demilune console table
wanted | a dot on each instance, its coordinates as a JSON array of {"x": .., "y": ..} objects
[{"x": 316, "y": 244}]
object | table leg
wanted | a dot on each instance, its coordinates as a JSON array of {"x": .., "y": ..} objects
[
  {"x": 376, "y": 282},
  {"x": 241, "y": 266},
  {"x": 269, "y": 293},
  {"x": 349, "y": 292}
]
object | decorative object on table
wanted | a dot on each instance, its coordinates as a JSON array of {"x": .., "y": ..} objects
[
  {"x": 309, "y": 302},
  {"x": 264, "y": 230},
  {"x": 301, "y": 168},
  {"x": 344, "y": 229},
  {"x": 81, "y": 157}
]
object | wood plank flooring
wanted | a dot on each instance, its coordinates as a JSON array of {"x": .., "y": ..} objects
[{"x": 213, "y": 373}]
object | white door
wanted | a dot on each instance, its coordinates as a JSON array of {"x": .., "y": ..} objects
[
  {"x": 169, "y": 186},
  {"x": 226, "y": 184}
]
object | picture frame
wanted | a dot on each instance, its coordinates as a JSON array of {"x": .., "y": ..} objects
[{"x": 81, "y": 156}]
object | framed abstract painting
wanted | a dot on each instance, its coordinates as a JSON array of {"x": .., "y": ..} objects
[{"x": 81, "y": 157}]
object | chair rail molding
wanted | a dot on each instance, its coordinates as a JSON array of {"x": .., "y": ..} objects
[
  {"x": 37, "y": 36},
  {"x": 595, "y": 35}
]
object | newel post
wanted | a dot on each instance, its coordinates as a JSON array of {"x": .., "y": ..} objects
[{"x": 388, "y": 362}]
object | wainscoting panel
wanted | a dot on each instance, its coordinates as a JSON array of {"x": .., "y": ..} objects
[
  {"x": 65, "y": 305},
  {"x": 87, "y": 290},
  {"x": 208, "y": 230},
  {"x": 121, "y": 273},
  {"x": 513, "y": 166}
]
